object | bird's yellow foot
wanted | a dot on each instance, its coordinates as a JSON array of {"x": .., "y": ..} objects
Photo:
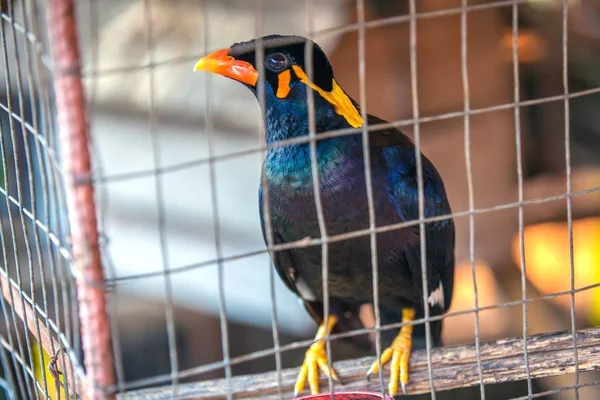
[
  {"x": 399, "y": 353},
  {"x": 315, "y": 359}
]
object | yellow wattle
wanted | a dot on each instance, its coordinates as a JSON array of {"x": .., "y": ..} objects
[
  {"x": 283, "y": 84},
  {"x": 340, "y": 101}
]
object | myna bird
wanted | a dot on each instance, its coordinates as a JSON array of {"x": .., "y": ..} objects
[{"x": 343, "y": 188}]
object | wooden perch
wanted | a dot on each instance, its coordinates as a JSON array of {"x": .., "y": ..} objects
[{"x": 453, "y": 367}]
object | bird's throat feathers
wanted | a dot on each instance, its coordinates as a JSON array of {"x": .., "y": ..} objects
[
  {"x": 286, "y": 106},
  {"x": 287, "y": 113},
  {"x": 287, "y": 117},
  {"x": 290, "y": 166}
]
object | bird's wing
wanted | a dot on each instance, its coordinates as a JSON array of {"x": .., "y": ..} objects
[
  {"x": 397, "y": 152},
  {"x": 284, "y": 265}
]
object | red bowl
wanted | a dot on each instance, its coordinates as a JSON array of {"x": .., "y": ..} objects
[{"x": 346, "y": 396}]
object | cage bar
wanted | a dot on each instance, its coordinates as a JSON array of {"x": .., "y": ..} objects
[{"x": 87, "y": 263}]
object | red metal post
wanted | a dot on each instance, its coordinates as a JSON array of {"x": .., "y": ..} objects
[{"x": 73, "y": 126}]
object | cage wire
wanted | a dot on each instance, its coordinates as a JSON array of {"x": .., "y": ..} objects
[
  {"x": 59, "y": 312},
  {"x": 38, "y": 296}
]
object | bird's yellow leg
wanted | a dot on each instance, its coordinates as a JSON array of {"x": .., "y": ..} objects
[
  {"x": 399, "y": 353},
  {"x": 315, "y": 359}
]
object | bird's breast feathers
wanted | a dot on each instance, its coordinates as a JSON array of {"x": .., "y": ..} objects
[{"x": 289, "y": 168}]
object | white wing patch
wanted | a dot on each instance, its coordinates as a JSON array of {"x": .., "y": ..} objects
[
  {"x": 437, "y": 296},
  {"x": 304, "y": 290},
  {"x": 302, "y": 287}
]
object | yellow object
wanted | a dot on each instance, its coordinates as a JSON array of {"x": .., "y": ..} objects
[
  {"x": 37, "y": 369},
  {"x": 315, "y": 358},
  {"x": 341, "y": 102},
  {"x": 283, "y": 85},
  {"x": 548, "y": 262},
  {"x": 399, "y": 353},
  {"x": 593, "y": 312}
]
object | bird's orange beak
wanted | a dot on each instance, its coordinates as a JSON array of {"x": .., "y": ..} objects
[{"x": 221, "y": 63}]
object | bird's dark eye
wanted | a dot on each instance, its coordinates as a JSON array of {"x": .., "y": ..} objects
[{"x": 277, "y": 62}]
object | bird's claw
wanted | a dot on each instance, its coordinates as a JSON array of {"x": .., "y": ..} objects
[
  {"x": 399, "y": 354},
  {"x": 315, "y": 359}
]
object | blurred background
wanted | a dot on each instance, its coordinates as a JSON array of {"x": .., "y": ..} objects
[{"x": 154, "y": 124}]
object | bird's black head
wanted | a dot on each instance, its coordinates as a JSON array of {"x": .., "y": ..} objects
[{"x": 285, "y": 69}]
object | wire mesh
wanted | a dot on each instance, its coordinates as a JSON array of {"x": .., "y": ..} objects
[
  {"x": 467, "y": 125},
  {"x": 517, "y": 117},
  {"x": 360, "y": 9},
  {"x": 37, "y": 292},
  {"x": 42, "y": 286}
]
